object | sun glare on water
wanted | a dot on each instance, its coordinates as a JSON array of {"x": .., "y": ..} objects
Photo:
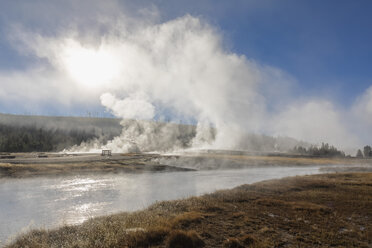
[{"x": 90, "y": 67}]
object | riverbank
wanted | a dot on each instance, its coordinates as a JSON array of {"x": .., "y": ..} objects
[
  {"x": 21, "y": 165},
  {"x": 53, "y": 164},
  {"x": 305, "y": 211}
]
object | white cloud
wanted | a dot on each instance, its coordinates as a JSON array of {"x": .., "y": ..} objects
[
  {"x": 315, "y": 121},
  {"x": 361, "y": 117},
  {"x": 363, "y": 106}
]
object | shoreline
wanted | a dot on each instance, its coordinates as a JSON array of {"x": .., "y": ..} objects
[
  {"x": 317, "y": 210},
  {"x": 25, "y": 165},
  {"x": 51, "y": 164}
]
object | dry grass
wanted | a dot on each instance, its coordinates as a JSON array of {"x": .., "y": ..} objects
[
  {"x": 186, "y": 219},
  {"x": 182, "y": 239},
  {"x": 245, "y": 241},
  {"x": 288, "y": 160},
  {"x": 330, "y": 210}
]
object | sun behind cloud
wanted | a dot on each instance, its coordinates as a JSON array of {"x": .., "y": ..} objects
[{"x": 90, "y": 67}]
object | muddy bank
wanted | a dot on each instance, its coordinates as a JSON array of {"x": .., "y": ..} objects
[{"x": 26, "y": 165}]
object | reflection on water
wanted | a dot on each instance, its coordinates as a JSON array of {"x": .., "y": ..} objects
[{"x": 49, "y": 202}]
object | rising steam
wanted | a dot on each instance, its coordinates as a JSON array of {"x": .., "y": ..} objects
[
  {"x": 181, "y": 67},
  {"x": 182, "y": 70}
]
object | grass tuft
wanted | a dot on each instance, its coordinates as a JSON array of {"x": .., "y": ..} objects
[
  {"x": 232, "y": 243},
  {"x": 182, "y": 239},
  {"x": 153, "y": 236},
  {"x": 186, "y": 219}
]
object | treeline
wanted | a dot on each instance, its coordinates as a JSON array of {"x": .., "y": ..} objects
[
  {"x": 325, "y": 150},
  {"x": 33, "y": 139},
  {"x": 367, "y": 152}
]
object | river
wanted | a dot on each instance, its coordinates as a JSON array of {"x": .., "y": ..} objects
[{"x": 53, "y": 201}]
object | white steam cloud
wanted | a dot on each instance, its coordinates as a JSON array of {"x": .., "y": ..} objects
[
  {"x": 135, "y": 106},
  {"x": 315, "y": 122},
  {"x": 181, "y": 68}
]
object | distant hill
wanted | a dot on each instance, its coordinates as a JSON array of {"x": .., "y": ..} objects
[
  {"x": 22, "y": 133},
  {"x": 109, "y": 125}
]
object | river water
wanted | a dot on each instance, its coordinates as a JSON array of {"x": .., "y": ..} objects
[{"x": 51, "y": 202}]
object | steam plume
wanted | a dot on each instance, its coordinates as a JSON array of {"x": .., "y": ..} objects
[{"x": 182, "y": 70}]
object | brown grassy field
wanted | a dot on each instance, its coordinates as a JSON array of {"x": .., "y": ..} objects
[
  {"x": 329, "y": 210},
  {"x": 287, "y": 159}
]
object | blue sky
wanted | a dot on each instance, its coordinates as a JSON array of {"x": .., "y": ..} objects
[{"x": 325, "y": 45}]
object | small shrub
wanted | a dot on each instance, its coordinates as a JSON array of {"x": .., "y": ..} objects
[
  {"x": 249, "y": 240},
  {"x": 182, "y": 239},
  {"x": 232, "y": 243},
  {"x": 184, "y": 220},
  {"x": 147, "y": 238}
]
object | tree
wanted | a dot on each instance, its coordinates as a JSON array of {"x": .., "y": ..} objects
[
  {"x": 367, "y": 151},
  {"x": 325, "y": 150},
  {"x": 359, "y": 154},
  {"x": 32, "y": 139}
]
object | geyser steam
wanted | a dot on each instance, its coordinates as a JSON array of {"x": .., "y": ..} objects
[{"x": 181, "y": 70}]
